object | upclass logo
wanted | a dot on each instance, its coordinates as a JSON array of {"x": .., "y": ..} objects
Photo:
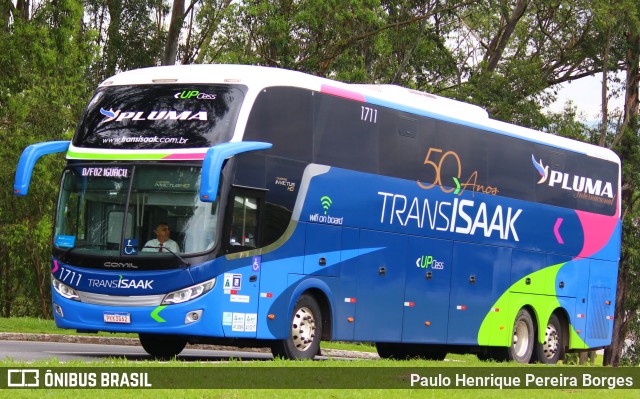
[
  {"x": 187, "y": 94},
  {"x": 426, "y": 261},
  {"x": 583, "y": 187}
]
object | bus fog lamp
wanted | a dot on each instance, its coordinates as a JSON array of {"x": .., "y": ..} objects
[
  {"x": 64, "y": 289},
  {"x": 193, "y": 316},
  {"x": 189, "y": 293},
  {"x": 58, "y": 310}
]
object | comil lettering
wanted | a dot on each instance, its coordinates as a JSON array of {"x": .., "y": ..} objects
[{"x": 459, "y": 216}]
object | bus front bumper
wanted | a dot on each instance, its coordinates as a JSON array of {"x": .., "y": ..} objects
[{"x": 197, "y": 317}]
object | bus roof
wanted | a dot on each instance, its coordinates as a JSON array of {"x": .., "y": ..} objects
[{"x": 395, "y": 97}]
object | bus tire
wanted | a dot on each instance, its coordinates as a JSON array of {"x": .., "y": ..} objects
[
  {"x": 388, "y": 350},
  {"x": 304, "y": 334},
  {"x": 523, "y": 342},
  {"x": 493, "y": 354},
  {"x": 162, "y": 347},
  {"x": 551, "y": 350},
  {"x": 432, "y": 352}
]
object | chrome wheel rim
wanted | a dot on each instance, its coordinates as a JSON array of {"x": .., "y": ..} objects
[
  {"x": 551, "y": 342},
  {"x": 521, "y": 338},
  {"x": 303, "y": 327}
]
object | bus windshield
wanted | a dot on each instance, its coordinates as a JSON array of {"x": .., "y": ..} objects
[
  {"x": 113, "y": 210},
  {"x": 159, "y": 116}
]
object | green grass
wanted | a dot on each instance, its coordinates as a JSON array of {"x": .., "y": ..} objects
[
  {"x": 27, "y": 325},
  {"x": 31, "y": 325},
  {"x": 252, "y": 368}
]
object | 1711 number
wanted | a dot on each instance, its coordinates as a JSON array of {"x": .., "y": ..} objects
[{"x": 368, "y": 114}]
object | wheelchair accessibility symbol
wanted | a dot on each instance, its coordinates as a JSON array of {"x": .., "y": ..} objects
[
  {"x": 255, "y": 263},
  {"x": 130, "y": 246}
]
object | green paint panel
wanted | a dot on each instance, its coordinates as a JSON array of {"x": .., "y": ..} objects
[
  {"x": 497, "y": 326},
  {"x": 113, "y": 157}
]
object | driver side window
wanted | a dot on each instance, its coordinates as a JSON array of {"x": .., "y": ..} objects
[{"x": 243, "y": 216}]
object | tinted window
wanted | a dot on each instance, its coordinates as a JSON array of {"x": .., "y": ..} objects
[
  {"x": 159, "y": 116},
  {"x": 436, "y": 153},
  {"x": 346, "y": 134},
  {"x": 283, "y": 116}
]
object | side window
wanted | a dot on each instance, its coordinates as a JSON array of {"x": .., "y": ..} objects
[
  {"x": 346, "y": 134},
  {"x": 244, "y": 215},
  {"x": 283, "y": 117}
]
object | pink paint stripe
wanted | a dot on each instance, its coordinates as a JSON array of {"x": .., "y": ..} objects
[
  {"x": 598, "y": 230},
  {"x": 556, "y": 231},
  {"x": 188, "y": 156},
  {"x": 335, "y": 91},
  {"x": 55, "y": 267}
]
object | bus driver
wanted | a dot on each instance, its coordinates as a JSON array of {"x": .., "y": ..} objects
[{"x": 162, "y": 241}]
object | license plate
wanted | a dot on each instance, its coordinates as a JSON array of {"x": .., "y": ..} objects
[{"x": 124, "y": 318}]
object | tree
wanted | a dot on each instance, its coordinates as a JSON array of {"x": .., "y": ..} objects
[
  {"x": 129, "y": 35},
  {"x": 42, "y": 91},
  {"x": 627, "y": 144}
]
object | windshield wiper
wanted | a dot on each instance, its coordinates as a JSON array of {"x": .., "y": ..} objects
[{"x": 184, "y": 262}]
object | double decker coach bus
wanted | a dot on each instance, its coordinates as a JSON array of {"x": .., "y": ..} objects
[{"x": 303, "y": 209}]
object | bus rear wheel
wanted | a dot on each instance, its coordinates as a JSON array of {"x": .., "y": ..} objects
[
  {"x": 305, "y": 332},
  {"x": 551, "y": 350},
  {"x": 162, "y": 347},
  {"x": 523, "y": 342}
]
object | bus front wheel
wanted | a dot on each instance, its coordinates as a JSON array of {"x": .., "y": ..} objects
[
  {"x": 523, "y": 342},
  {"x": 162, "y": 347},
  {"x": 304, "y": 334}
]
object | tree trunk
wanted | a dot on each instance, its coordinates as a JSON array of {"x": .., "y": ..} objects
[
  {"x": 612, "y": 352},
  {"x": 627, "y": 137},
  {"x": 23, "y": 8},
  {"x": 113, "y": 37},
  {"x": 604, "y": 94},
  {"x": 171, "y": 47},
  {"x": 499, "y": 42},
  {"x": 41, "y": 280}
]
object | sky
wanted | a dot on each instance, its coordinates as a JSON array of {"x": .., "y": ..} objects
[{"x": 586, "y": 95}]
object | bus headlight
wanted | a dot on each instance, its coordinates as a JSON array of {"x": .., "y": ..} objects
[
  {"x": 189, "y": 293},
  {"x": 64, "y": 289}
]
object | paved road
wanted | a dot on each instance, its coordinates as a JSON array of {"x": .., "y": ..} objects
[
  {"x": 30, "y": 347},
  {"x": 30, "y": 351}
]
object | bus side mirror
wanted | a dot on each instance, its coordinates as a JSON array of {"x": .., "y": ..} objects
[
  {"x": 213, "y": 160},
  {"x": 28, "y": 160}
]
